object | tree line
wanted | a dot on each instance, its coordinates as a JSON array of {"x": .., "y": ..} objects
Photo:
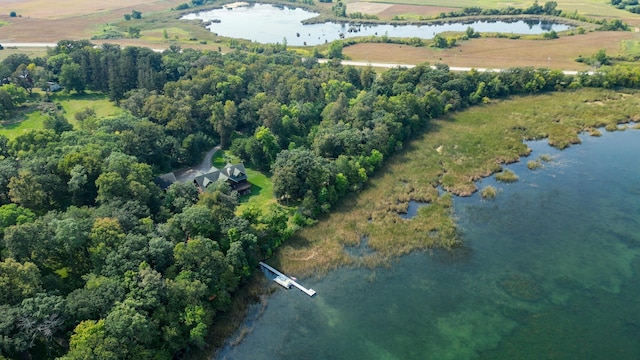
[{"x": 98, "y": 262}]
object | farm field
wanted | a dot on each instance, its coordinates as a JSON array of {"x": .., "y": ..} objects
[
  {"x": 502, "y": 53},
  {"x": 69, "y": 19}
]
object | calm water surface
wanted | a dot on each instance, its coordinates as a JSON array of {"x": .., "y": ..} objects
[
  {"x": 269, "y": 24},
  {"x": 550, "y": 270}
]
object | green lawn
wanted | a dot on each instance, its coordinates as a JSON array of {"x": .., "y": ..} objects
[
  {"x": 25, "y": 118},
  {"x": 262, "y": 189},
  {"x": 30, "y": 118},
  {"x": 73, "y": 103}
]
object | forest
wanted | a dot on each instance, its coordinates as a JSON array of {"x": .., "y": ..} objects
[{"x": 97, "y": 262}]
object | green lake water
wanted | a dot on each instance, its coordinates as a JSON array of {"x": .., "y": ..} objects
[{"x": 550, "y": 269}]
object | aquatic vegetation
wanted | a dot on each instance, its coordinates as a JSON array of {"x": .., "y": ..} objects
[
  {"x": 534, "y": 164},
  {"x": 489, "y": 192},
  {"x": 507, "y": 176},
  {"x": 522, "y": 287},
  {"x": 545, "y": 158}
]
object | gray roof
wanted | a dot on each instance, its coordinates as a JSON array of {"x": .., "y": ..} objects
[
  {"x": 231, "y": 173},
  {"x": 164, "y": 181}
]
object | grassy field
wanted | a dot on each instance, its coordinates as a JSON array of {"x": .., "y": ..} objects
[
  {"x": 454, "y": 152},
  {"x": 31, "y": 118}
]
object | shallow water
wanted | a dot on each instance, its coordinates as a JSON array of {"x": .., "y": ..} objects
[
  {"x": 550, "y": 270},
  {"x": 270, "y": 24}
]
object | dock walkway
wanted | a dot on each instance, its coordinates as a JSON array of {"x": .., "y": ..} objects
[{"x": 286, "y": 281}]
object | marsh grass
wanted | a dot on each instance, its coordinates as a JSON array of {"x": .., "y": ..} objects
[
  {"x": 545, "y": 158},
  {"x": 452, "y": 153},
  {"x": 594, "y": 132},
  {"x": 489, "y": 193},
  {"x": 534, "y": 164},
  {"x": 507, "y": 176}
]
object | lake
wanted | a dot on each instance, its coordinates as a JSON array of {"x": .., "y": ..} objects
[
  {"x": 549, "y": 269},
  {"x": 265, "y": 23}
]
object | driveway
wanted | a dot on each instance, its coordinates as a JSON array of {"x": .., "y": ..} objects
[{"x": 190, "y": 173}]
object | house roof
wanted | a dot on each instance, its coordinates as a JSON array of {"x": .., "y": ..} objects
[
  {"x": 165, "y": 180},
  {"x": 231, "y": 173}
]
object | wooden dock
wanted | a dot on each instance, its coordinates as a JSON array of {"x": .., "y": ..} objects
[{"x": 285, "y": 281}]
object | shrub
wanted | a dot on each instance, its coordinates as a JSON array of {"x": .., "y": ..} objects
[
  {"x": 13, "y": 14},
  {"x": 108, "y": 34}
]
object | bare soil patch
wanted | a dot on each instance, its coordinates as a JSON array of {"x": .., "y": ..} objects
[
  {"x": 367, "y": 8},
  {"x": 496, "y": 53}
]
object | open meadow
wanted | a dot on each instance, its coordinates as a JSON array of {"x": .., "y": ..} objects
[{"x": 31, "y": 116}]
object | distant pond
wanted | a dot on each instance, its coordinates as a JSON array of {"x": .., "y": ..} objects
[{"x": 266, "y": 23}]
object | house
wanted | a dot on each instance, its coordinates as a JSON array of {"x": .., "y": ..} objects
[
  {"x": 165, "y": 180},
  {"x": 53, "y": 87},
  {"x": 234, "y": 175}
]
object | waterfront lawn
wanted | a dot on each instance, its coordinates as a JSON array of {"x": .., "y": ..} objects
[{"x": 452, "y": 153}]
